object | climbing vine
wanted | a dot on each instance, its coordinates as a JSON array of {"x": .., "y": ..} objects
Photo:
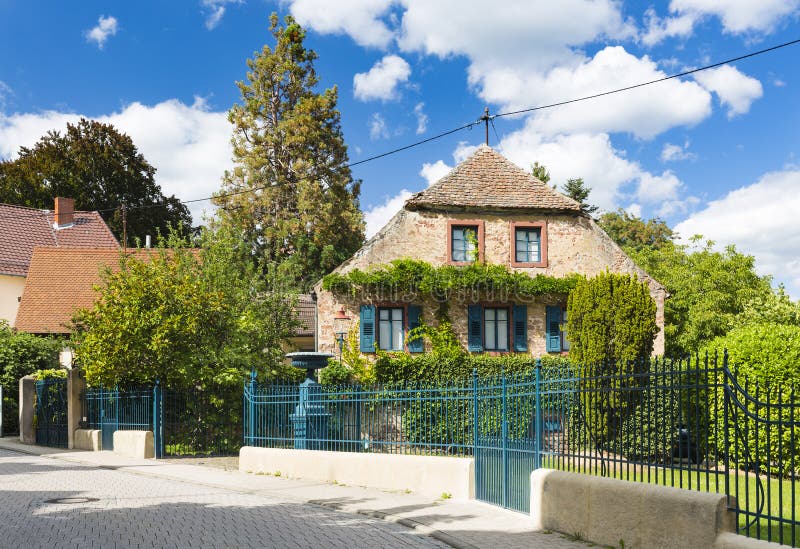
[{"x": 410, "y": 276}]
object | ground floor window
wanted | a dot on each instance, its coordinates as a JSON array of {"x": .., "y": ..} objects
[
  {"x": 390, "y": 328},
  {"x": 495, "y": 327}
]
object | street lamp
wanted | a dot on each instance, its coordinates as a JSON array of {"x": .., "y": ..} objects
[{"x": 341, "y": 326}]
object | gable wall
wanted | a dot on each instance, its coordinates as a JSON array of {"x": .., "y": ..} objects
[{"x": 575, "y": 244}]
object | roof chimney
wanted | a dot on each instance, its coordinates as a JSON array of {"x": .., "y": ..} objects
[{"x": 65, "y": 213}]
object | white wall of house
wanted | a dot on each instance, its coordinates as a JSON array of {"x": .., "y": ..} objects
[{"x": 10, "y": 291}]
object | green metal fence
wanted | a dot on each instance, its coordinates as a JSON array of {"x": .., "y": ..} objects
[
  {"x": 50, "y": 412},
  {"x": 683, "y": 423}
]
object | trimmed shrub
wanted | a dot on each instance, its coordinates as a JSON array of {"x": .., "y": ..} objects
[{"x": 765, "y": 360}]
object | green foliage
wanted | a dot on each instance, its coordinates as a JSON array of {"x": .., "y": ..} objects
[
  {"x": 579, "y": 192},
  {"x": 50, "y": 373},
  {"x": 708, "y": 290},
  {"x": 186, "y": 318},
  {"x": 354, "y": 367},
  {"x": 288, "y": 144},
  {"x": 101, "y": 169},
  {"x": 540, "y": 172},
  {"x": 21, "y": 354},
  {"x": 612, "y": 318},
  {"x": 611, "y": 326},
  {"x": 632, "y": 233},
  {"x": 411, "y": 276},
  {"x": 774, "y": 307},
  {"x": 766, "y": 362}
]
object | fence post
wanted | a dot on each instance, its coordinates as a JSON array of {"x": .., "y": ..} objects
[
  {"x": 726, "y": 404},
  {"x": 475, "y": 419},
  {"x": 504, "y": 436},
  {"x": 76, "y": 385},
  {"x": 251, "y": 408},
  {"x": 538, "y": 434},
  {"x": 158, "y": 428}
]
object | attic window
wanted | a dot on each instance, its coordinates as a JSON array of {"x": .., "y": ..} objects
[
  {"x": 465, "y": 242},
  {"x": 528, "y": 244}
]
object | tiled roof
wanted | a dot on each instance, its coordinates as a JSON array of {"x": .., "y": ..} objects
[
  {"x": 305, "y": 315},
  {"x": 21, "y": 229},
  {"x": 489, "y": 181},
  {"x": 61, "y": 281}
]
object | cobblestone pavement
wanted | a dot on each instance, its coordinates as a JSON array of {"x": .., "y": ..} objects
[{"x": 102, "y": 507}]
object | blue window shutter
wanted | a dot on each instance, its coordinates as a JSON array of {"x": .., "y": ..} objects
[
  {"x": 367, "y": 328},
  {"x": 552, "y": 319},
  {"x": 475, "y": 328},
  {"x": 414, "y": 320},
  {"x": 520, "y": 315}
]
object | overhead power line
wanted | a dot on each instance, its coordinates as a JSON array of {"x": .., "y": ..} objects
[{"x": 486, "y": 118}]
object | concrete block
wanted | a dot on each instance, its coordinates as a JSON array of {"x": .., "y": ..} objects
[
  {"x": 421, "y": 474},
  {"x": 605, "y": 511},
  {"x": 27, "y": 393},
  {"x": 86, "y": 439},
  {"x": 134, "y": 444}
]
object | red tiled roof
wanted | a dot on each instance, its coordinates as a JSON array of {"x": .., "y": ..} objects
[
  {"x": 21, "y": 229},
  {"x": 489, "y": 181}
]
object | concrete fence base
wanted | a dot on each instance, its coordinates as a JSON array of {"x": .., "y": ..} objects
[
  {"x": 735, "y": 541},
  {"x": 607, "y": 511},
  {"x": 421, "y": 474},
  {"x": 134, "y": 444},
  {"x": 86, "y": 439}
]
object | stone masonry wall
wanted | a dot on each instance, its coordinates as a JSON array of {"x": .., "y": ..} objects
[{"x": 575, "y": 244}]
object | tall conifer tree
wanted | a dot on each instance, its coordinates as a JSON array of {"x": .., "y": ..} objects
[{"x": 291, "y": 193}]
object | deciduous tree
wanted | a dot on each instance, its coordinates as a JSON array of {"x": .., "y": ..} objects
[{"x": 101, "y": 169}]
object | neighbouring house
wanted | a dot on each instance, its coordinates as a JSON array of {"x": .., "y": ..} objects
[
  {"x": 489, "y": 210},
  {"x": 22, "y": 229},
  {"x": 62, "y": 280}
]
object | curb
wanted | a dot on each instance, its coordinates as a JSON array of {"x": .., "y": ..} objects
[{"x": 420, "y": 527}]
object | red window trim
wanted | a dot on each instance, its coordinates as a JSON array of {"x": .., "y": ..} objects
[
  {"x": 542, "y": 226},
  {"x": 464, "y": 223}
]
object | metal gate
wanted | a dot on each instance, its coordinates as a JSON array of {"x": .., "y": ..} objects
[
  {"x": 51, "y": 412},
  {"x": 507, "y": 443}
]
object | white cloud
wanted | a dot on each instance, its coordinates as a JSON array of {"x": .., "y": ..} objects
[
  {"x": 644, "y": 112},
  {"x": 106, "y": 27},
  {"x": 760, "y": 219},
  {"x": 378, "y": 216},
  {"x": 362, "y": 20},
  {"x": 434, "y": 172},
  {"x": 675, "y": 153},
  {"x": 381, "y": 81},
  {"x": 215, "y": 11},
  {"x": 739, "y": 16},
  {"x": 660, "y": 28},
  {"x": 734, "y": 89},
  {"x": 378, "y": 128},
  {"x": 658, "y": 188},
  {"x": 188, "y": 145},
  {"x": 422, "y": 118}
]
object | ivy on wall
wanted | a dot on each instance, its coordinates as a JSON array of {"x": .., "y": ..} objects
[{"x": 411, "y": 276}]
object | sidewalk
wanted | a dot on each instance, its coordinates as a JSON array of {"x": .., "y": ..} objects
[{"x": 459, "y": 523}]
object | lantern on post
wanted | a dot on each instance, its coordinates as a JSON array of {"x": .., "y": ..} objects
[{"x": 341, "y": 327}]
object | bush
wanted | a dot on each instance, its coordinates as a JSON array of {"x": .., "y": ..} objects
[
  {"x": 765, "y": 359},
  {"x": 21, "y": 354}
]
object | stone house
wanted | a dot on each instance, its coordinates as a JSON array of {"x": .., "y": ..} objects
[{"x": 490, "y": 210}]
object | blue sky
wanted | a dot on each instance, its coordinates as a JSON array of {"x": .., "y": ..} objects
[{"x": 714, "y": 154}]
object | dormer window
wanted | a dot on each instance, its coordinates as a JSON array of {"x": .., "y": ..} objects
[
  {"x": 465, "y": 242},
  {"x": 528, "y": 244}
]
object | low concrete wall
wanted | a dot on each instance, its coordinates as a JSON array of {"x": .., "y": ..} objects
[
  {"x": 734, "y": 541},
  {"x": 422, "y": 474},
  {"x": 605, "y": 511},
  {"x": 86, "y": 439},
  {"x": 134, "y": 444}
]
